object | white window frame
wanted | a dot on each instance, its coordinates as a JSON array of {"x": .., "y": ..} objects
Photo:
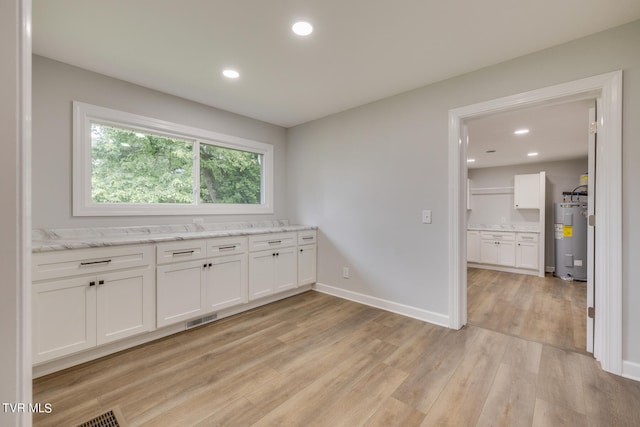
[{"x": 83, "y": 204}]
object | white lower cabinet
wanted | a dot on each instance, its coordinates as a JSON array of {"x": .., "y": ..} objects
[
  {"x": 527, "y": 251},
  {"x": 76, "y": 313},
  {"x": 286, "y": 274},
  {"x": 275, "y": 269},
  {"x": 498, "y": 249},
  {"x": 473, "y": 246},
  {"x": 214, "y": 277},
  {"x": 226, "y": 282},
  {"x": 489, "y": 253},
  {"x": 505, "y": 249},
  {"x": 272, "y": 271},
  {"x": 180, "y": 291},
  {"x": 64, "y": 317},
  {"x": 125, "y": 304},
  {"x": 307, "y": 265},
  {"x": 307, "y": 251}
]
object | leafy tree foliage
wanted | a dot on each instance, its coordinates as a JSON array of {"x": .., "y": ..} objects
[
  {"x": 132, "y": 167},
  {"x": 229, "y": 176}
]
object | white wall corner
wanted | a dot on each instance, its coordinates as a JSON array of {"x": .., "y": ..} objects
[{"x": 394, "y": 307}]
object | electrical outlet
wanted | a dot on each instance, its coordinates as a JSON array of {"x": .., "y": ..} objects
[{"x": 345, "y": 272}]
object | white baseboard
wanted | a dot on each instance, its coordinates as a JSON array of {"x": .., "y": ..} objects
[
  {"x": 550, "y": 269},
  {"x": 394, "y": 307},
  {"x": 501, "y": 268},
  {"x": 631, "y": 370}
]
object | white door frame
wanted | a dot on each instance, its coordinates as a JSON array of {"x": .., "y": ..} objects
[
  {"x": 608, "y": 264},
  {"x": 15, "y": 132}
]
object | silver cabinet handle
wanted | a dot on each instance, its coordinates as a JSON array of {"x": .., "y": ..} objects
[
  {"x": 183, "y": 253},
  {"x": 274, "y": 242},
  {"x": 227, "y": 248}
]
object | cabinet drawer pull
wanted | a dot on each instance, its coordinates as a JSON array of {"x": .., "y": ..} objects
[
  {"x": 227, "y": 248},
  {"x": 307, "y": 238},
  {"x": 106, "y": 261},
  {"x": 100, "y": 282},
  {"x": 92, "y": 283},
  {"x": 275, "y": 242},
  {"x": 183, "y": 253}
]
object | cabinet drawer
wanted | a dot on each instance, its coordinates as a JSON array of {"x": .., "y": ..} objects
[
  {"x": 76, "y": 262},
  {"x": 226, "y": 246},
  {"x": 183, "y": 250},
  {"x": 271, "y": 241},
  {"x": 497, "y": 235},
  {"x": 307, "y": 237},
  {"x": 527, "y": 237}
]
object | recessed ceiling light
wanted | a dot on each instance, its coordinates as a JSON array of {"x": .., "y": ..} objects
[
  {"x": 230, "y": 74},
  {"x": 471, "y": 160},
  {"x": 521, "y": 131},
  {"x": 532, "y": 154},
  {"x": 302, "y": 28}
]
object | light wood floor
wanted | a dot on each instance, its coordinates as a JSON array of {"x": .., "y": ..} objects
[
  {"x": 316, "y": 360},
  {"x": 543, "y": 309}
]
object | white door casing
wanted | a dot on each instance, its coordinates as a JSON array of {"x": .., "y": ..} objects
[
  {"x": 607, "y": 88},
  {"x": 591, "y": 169}
]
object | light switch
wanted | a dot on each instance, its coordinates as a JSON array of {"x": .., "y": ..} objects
[{"x": 426, "y": 216}]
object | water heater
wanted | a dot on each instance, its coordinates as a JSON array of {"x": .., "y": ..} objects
[{"x": 571, "y": 241}]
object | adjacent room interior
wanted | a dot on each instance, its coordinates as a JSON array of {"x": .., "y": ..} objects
[{"x": 513, "y": 284}]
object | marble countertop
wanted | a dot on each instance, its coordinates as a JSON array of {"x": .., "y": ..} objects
[
  {"x": 504, "y": 227},
  {"x": 48, "y": 240}
]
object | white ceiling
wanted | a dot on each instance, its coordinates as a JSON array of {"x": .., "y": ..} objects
[
  {"x": 361, "y": 50},
  {"x": 557, "y": 132}
]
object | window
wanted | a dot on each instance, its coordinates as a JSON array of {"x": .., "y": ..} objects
[{"x": 125, "y": 164}]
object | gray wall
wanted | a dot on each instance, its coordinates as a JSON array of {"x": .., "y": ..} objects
[
  {"x": 364, "y": 175},
  {"x": 561, "y": 176},
  {"x": 56, "y": 85}
]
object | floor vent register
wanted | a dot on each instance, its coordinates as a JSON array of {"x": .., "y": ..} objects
[{"x": 108, "y": 419}]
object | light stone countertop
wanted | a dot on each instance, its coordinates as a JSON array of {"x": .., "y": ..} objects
[
  {"x": 522, "y": 228},
  {"x": 48, "y": 240}
]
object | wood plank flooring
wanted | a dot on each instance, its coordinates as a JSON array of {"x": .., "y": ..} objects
[
  {"x": 547, "y": 309},
  {"x": 317, "y": 360}
]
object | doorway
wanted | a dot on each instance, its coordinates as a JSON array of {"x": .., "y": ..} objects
[
  {"x": 607, "y": 88},
  {"x": 543, "y": 150}
]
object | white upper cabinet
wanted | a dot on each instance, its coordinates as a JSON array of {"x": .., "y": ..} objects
[{"x": 526, "y": 191}]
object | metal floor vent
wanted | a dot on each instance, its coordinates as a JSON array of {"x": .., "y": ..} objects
[
  {"x": 201, "y": 321},
  {"x": 108, "y": 419}
]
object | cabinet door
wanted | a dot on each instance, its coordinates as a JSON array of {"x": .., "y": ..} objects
[
  {"x": 261, "y": 274},
  {"x": 527, "y": 255},
  {"x": 125, "y": 304},
  {"x": 286, "y": 271},
  {"x": 473, "y": 246},
  {"x": 507, "y": 253},
  {"x": 526, "y": 191},
  {"x": 489, "y": 252},
  {"x": 180, "y": 291},
  {"x": 226, "y": 282},
  {"x": 64, "y": 317},
  {"x": 306, "y": 265}
]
